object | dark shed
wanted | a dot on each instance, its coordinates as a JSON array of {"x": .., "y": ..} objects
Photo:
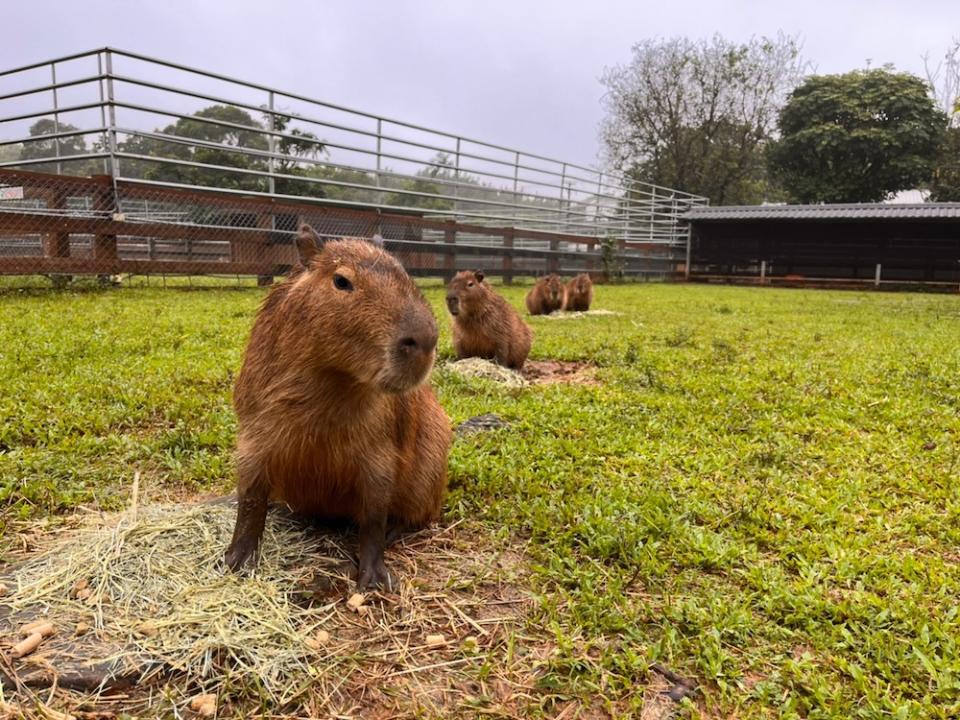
[{"x": 861, "y": 243}]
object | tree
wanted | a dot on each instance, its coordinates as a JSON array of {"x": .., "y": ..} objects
[
  {"x": 226, "y": 137},
  {"x": 233, "y": 131},
  {"x": 294, "y": 146},
  {"x": 696, "y": 115},
  {"x": 857, "y": 137},
  {"x": 944, "y": 81},
  {"x": 945, "y": 183},
  {"x": 9, "y": 153},
  {"x": 48, "y": 148},
  {"x": 432, "y": 179}
]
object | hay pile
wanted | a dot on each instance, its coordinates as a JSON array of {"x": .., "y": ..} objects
[
  {"x": 487, "y": 370},
  {"x": 579, "y": 314},
  {"x": 153, "y": 591},
  {"x": 173, "y": 626}
]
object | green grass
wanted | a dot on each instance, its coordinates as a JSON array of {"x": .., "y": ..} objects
[{"x": 773, "y": 472}]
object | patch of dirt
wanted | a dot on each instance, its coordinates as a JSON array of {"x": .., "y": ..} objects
[
  {"x": 657, "y": 704},
  {"x": 548, "y": 372}
]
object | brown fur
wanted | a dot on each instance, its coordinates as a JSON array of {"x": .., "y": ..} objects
[
  {"x": 335, "y": 419},
  {"x": 485, "y": 325},
  {"x": 579, "y": 293},
  {"x": 548, "y": 294}
]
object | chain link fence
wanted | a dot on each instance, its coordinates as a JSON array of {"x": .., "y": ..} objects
[
  {"x": 61, "y": 226},
  {"x": 112, "y": 162}
]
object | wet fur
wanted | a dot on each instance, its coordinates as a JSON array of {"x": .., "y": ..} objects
[
  {"x": 579, "y": 293},
  {"x": 486, "y": 325},
  {"x": 548, "y": 295},
  {"x": 335, "y": 420}
]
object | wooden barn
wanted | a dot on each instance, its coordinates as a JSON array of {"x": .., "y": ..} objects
[{"x": 858, "y": 244}]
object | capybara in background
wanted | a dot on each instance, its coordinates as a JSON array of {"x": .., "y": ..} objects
[
  {"x": 547, "y": 295},
  {"x": 335, "y": 417},
  {"x": 579, "y": 293},
  {"x": 485, "y": 325}
]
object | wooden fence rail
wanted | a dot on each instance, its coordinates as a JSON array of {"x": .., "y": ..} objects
[{"x": 55, "y": 224}]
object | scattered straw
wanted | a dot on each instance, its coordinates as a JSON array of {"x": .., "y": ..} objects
[
  {"x": 487, "y": 370},
  {"x": 160, "y": 595},
  {"x": 162, "y": 613},
  {"x": 578, "y": 315}
]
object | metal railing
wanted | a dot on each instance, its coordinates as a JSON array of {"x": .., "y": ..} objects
[{"x": 137, "y": 118}]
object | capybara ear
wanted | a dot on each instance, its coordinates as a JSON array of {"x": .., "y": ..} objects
[
  {"x": 308, "y": 244},
  {"x": 478, "y": 275}
]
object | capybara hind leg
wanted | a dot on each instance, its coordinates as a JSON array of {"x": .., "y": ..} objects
[
  {"x": 251, "y": 517},
  {"x": 372, "y": 571},
  {"x": 394, "y": 531}
]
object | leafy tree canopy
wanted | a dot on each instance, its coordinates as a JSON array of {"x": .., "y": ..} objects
[
  {"x": 857, "y": 137},
  {"x": 696, "y": 115}
]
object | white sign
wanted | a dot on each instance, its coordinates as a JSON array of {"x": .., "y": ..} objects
[{"x": 11, "y": 193}]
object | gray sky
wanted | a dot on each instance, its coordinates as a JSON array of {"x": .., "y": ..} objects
[{"x": 523, "y": 73}]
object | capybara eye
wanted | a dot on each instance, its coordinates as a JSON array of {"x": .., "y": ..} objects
[
  {"x": 469, "y": 284},
  {"x": 341, "y": 283}
]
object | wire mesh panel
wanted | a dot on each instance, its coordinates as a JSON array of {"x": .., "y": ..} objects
[{"x": 208, "y": 173}]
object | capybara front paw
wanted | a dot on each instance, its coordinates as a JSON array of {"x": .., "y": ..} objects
[
  {"x": 238, "y": 554},
  {"x": 374, "y": 575}
]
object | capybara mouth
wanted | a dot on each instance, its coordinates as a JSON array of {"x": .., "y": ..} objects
[
  {"x": 407, "y": 375},
  {"x": 453, "y": 305}
]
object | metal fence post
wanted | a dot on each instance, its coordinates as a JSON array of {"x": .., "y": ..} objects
[
  {"x": 653, "y": 210},
  {"x": 686, "y": 266},
  {"x": 379, "y": 150},
  {"x": 56, "y": 117},
  {"x": 103, "y": 113},
  {"x": 112, "y": 127},
  {"x": 876, "y": 277},
  {"x": 449, "y": 239},
  {"x": 563, "y": 181},
  {"x": 596, "y": 207},
  {"x": 456, "y": 177},
  {"x": 627, "y": 205},
  {"x": 516, "y": 174},
  {"x": 271, "y": 145}
]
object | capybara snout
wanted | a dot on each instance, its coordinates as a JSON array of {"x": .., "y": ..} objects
[{"x": 414, "y": 349}]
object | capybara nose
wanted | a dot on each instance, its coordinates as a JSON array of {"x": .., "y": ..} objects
[
  {"x": 453, "y": 304},
  {"x": 424, "y": 342}
]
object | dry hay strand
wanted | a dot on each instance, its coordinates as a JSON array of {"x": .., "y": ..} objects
[
  {"x": 162, "y": 610},
  {"x": 487, "y": 370},
  {"x": 579, "y": 314}
]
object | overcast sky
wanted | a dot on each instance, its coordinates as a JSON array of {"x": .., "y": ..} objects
[{"x": 522, "y": 73}]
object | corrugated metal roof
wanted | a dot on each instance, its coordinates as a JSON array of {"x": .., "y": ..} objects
[{"x": 847, "y": 211}]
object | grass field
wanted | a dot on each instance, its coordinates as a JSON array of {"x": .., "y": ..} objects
[{"x": 761, "y": 492}]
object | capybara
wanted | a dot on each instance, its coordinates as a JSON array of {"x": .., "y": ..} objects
[
  {"x": 547, "y": 295},
  {"x": 335, "y": 417},
  {"x": 579, "y": 293},
  {"x": 485, "y": 325}
]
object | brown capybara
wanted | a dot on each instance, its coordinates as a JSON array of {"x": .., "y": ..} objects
[
  {"x": 335, "y": 417},
  {"x": 547, "y": 295},
  {"x": 579, "y": 293},
  {"x": 485, "y": 325}
]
